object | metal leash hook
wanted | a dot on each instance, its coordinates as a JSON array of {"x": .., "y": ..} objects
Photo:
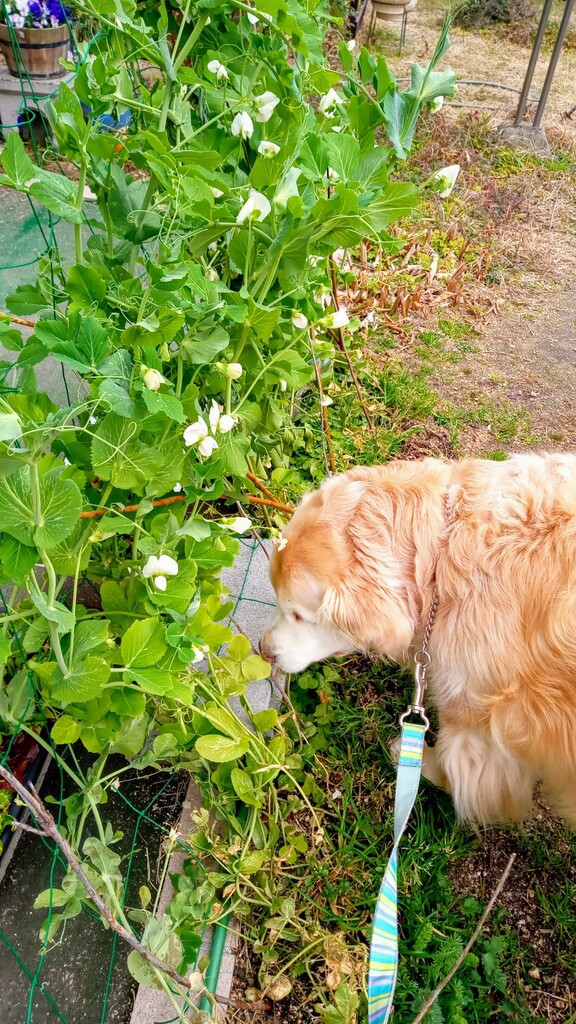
[{"x": 421, "y": 660}]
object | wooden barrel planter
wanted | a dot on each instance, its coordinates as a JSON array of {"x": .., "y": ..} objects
[{"x": 40, "y": 49}]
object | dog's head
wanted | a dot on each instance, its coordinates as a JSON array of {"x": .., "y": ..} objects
[{"x": 344, "y": 573}]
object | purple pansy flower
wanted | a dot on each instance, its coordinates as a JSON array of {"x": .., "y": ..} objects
[{"x": 56, "y": 10}]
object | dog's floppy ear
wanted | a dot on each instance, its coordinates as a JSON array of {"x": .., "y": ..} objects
[
  {"x": 374, "y": 602},
  {"x": 373, "y": 618}
]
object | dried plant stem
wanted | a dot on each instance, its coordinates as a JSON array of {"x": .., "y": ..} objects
[
  {"x": 49, "y": 828},
  {"x": 261, "y": 486},
  {"x": 440, "y": 988},
  {"x": 251, "y": 498},
  {"x": 323, "y": 409},
  {"x": 17, "y": 320},
  {"x": 97, "y": 512},
  {"x": 329, "y": 438},
  {"x": 339, "y": 336}
]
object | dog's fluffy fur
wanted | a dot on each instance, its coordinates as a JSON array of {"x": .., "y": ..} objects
[{"x": 357, "y": 574}]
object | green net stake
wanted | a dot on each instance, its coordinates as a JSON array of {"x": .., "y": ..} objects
[{"x": 216, "y": 952}]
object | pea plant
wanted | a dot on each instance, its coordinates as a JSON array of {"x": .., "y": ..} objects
[{"x": 199, "y": 317}]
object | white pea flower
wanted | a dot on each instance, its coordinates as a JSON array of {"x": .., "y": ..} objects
[
  {"x": 300, "y": 321},
  {"x": 197, "y": 655},
  {"x": 283, "y": 385},
  {"x": 252, "y": 19},
  {"x": 218, "y": 423},
  {"x": 327, "y": 401},
  {"x": 447, "y": 177},
  {"x": 268, "y": 149},
  {"x": 239, "y": 525},
  {"x": 256, "y": 207},
  {"x": 207, "y": 446},
  {"x": 280, "y": 542},
  {"x": 159, "y": 568},
  {"x": 242, "y": 125},
  {"x": 213, "y": 247},
  {"x": 200, "y": 434},
  {"x": 437, "y": 104},
  {"x": 234, "y": 371},
  {"x": 351, "y": 45},
  {"x": 332, "y": 175},
  {"x": 217, "y": 193},
  {"x": 226, "y": 423},
  {"x": 152, "y": 379},
  {"x": 323, "y": 297},
  {"x": 195, "y": 432},
  {"x": 265, "y": 104},
  {"x": 338, "y": 319},
  {"x": 92, "y": 420},
  {"x": 177, "y": 488},
  {"x": 211, "y": 274},
  {"x": 287, "y": 187},
  {"x": 218, "y": 69},
  {"x": 329, "y": 102},
  {"x": 214, "y": 415},
  {"x": 336, "y": 128}
]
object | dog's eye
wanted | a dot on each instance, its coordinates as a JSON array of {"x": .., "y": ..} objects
[{"x": 296, "y": 617}]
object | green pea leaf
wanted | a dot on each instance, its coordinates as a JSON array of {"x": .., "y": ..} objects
[
  {"x": 152, "y": 680},
  {"x": 65, "y": 730},
  {"x": 56, "y": 612},
  {"x": 90, "y": 634},
  {"x": 167, "y": 404},
  {"x": 16, "y": 162},
  {"x": 60, "y": 504},
  {"x": 221, "y": 748},
  {"x": 244, "y": 787},
  {"x": 143, "y": 643},
  {"x": 86, "y": 286},
  {"x": 16, "y": 560},
  {"x": 239, "y": 647},
  {"x": 131, "y": 737},
  {"x": 255, "y": 667},
  {"x": 127, "y": 701},
  {"x": 252, "y": 862},
  {"x": 84, "y": 682},
  {"x": 265, "y": 720},
  {"x": 10, "y": 426}
]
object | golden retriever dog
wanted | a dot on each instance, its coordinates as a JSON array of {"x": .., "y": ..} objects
[{"x": 356, "y": 571}]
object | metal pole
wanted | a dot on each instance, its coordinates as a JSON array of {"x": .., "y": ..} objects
[
  {"x": 533, "y": 61},
  {"x": 553, "y": 62},
  {"x": 360, "y": 19}
]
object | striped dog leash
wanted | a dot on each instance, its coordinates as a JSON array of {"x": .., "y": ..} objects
[{"x": 383, "y": 969}]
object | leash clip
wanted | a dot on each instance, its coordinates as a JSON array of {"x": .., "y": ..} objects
[{"x": 421, "y": 661}]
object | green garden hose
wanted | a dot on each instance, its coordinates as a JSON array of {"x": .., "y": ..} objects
[{"x": 216, "y": 953}]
